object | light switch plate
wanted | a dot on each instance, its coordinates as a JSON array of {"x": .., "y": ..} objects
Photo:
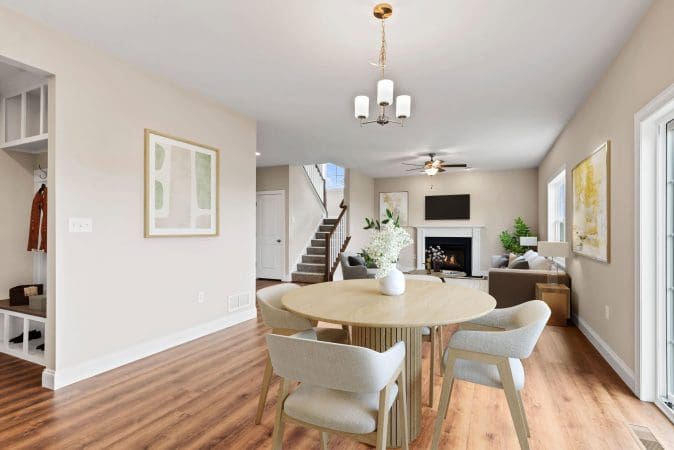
[{"x": 80, "y": 225}]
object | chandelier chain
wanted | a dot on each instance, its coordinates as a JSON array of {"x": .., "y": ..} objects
[{"x": 382, "y": 51}]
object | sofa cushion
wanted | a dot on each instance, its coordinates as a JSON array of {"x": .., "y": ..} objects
[
  {"x": 519, "y": 263},
  {"x": 530, "y": 256}
]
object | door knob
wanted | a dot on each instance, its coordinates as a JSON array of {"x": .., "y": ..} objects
[{"x": 278, "y": 240}]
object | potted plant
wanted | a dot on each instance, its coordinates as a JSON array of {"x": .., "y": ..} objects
[{"x": 511, "y": 241}]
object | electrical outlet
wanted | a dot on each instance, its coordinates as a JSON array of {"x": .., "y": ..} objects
[
  {"x": 606, "y": 312},
  {"x": 201, "y": 296}
]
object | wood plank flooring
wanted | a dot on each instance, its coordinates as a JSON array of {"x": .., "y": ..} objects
[{"x": 203, "y": 395}]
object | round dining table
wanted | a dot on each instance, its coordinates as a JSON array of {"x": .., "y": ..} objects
[{"x": 379, "y": 321}]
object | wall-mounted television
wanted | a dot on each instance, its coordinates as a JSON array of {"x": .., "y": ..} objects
[{"x": 448, "y": 207}]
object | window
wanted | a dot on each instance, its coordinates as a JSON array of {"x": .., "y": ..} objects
[
  {"x": 334, "y": 176},
  {"x": 557, "y": 208}
]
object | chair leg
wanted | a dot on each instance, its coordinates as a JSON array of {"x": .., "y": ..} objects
[
  {"x": 443, "y": 407},
  {"x": 279, "y": 424},
  {"x": 382, "y": 420},
  {"x": 324, "y": 440},
  {"x": 402, "y": 411},
  {"x": 266, "y": 378},
  {"x": 431, "y": 384},
  {"x": 511, "y": 395},
  {"x": 524, "y": 413},
  {"x": 441, "y": 344}
]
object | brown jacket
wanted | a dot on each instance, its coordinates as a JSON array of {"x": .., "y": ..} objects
[{"x": 38, "y": 222}]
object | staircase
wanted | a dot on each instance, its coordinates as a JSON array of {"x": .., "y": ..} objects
[{"x": 312, "y": 268}]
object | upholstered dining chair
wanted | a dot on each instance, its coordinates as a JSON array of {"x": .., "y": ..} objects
[
  {"x": 432, "y": 335},
  {"x": 284, "y": 322},
  {"x": 488, "y": 351},
  {"x": 344, "y": 390}
]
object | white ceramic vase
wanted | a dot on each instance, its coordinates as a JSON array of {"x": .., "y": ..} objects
[{"x": 393, "y": 283}]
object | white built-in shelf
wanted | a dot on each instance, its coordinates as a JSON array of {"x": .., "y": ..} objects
[
  {"x": 14, "y": 323},
  {"x": 23, "y": 120}
]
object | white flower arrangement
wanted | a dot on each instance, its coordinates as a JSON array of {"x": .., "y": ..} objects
[{"x": 385, "y": 247}]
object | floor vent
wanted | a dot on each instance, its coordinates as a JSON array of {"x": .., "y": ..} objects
[{"x": 644, "y": 436}]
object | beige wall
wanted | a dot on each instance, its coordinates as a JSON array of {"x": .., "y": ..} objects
[
  {"x": 644, "y": 68},
  {"x": 496, "y": 198},
  {"x": 16, "y": 197},
  {"x": 112, "y": 289},
  {"x": 359, "y": 197}
]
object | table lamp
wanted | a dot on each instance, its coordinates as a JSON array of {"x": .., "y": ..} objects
[{"x": 553, "y": 250}]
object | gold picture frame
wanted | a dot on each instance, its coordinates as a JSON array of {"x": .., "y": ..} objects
[
  {"x": 591, "y": 206},
  {"x": 182, "y": 187}
]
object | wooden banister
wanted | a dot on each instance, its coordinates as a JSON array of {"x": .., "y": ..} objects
[{"x": 336, "y": 242}]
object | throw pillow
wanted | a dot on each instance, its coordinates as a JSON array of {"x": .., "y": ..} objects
[
  {"x": 530, "y": 256},
  {"x": 519, "y": 263},
  {"x": 356, "y": 261},
  {"x": 540, "y": 263},
  {"x": 512, "y": 257},
  {"x": 500, "y": 262}
]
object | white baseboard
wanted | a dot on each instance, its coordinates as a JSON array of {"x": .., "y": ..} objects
[
  {"x": 618, "y": 365},
  {"x": 56, "y": 379}
]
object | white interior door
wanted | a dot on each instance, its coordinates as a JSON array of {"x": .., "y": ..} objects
[{"x": 270, "y": 234}]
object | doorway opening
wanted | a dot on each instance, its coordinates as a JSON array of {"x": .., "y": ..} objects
[{"x": 26, "y": 284}]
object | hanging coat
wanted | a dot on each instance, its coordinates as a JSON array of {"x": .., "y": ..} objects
[{"x": 38, "y": 221}]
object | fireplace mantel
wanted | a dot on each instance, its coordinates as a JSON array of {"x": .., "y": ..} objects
[{"x": 466, "y": 230}]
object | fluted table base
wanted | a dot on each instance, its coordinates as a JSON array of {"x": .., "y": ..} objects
[{"x": 381, "y": 339}]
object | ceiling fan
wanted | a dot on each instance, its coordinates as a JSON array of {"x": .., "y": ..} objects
[{"x": 433, "y": 166}]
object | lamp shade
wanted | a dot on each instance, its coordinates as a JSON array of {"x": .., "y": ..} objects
[
  {"x": 554, "y": 249},
  {"x": 528, "y": 241},
  {"x": 384, "y": 92},
  {"x": 362, "y": 106},
  {"x": 431, "y": 171},
  {"x": 403, "y": 104}
]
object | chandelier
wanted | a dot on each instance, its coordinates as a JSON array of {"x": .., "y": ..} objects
[{"x": 383, "y": 11}]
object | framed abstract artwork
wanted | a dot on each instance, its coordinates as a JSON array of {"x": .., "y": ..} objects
[
  {"x": 396, "y": 202},
  {"x": 591, "y": 205},
  {"x": 181, "y": 187}
]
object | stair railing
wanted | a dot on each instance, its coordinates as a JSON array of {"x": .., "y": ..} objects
[
  {"x": 317, "y": 180},
  {"x": 336, "y": 242}
]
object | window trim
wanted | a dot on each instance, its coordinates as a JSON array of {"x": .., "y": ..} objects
[{"x": 558, "y": 177}]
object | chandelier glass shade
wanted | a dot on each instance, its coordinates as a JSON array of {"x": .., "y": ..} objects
[{"x": 385, "y": 93}]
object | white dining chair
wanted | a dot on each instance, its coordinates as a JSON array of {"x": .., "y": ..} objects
[
  {"x": 489, "y": 354},
  {"x": 344, "y": 390},
  {"x": 284, "y": 322},
  {"x": 432, "y": 335}
]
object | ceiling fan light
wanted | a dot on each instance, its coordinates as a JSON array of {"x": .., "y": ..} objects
[
  {"x": 362, "y": 106},
  {"x": 384, "y": 92},
  {"x": 430, "y": 171},
  {"x": 403, "y": 103}
]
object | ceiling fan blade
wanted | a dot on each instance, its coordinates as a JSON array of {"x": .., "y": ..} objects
[
  {"x": 440, "y": 169},
  {"x": 454, "y": 165},
  {"x": 412, "y": 164},
  {"x": 412, "y": 170}
]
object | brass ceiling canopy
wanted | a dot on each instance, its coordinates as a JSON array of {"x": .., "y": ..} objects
[{"x": 383, "y": 11}]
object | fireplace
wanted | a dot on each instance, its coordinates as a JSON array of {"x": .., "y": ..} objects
[
  {"x": 457, "y": 253},
  {"x": 463, "y": 237}
]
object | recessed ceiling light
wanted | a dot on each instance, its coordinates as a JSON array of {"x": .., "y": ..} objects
[{"x": 257, "y": 153}]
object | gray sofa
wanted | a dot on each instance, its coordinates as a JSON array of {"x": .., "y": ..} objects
[{"x": 355, "y": 271}]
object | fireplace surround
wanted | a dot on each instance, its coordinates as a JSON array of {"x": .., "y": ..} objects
[{"x": 471, "y": 235}]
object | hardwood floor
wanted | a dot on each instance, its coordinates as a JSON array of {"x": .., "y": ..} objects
[{"x": 203, "y": 395}]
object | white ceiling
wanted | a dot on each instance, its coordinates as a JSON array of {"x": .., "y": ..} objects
[{"x": 493, "y": 82}]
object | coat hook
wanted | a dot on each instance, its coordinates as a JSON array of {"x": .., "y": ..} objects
[{"x": 43, "y": 176}]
